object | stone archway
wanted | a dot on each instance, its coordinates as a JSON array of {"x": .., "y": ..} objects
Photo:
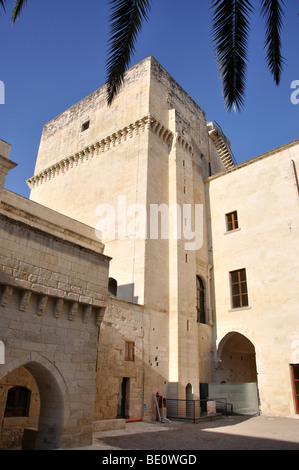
[
  {"x": 236, "y": 359},
  {"x": 54, "y": 403},
  {"x": 189, "y": 401},
  {"x": 236, "y": 375}
]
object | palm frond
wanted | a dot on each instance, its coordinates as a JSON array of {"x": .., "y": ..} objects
[
  {"x": 272, "y": 12},
  {"x": 2, "y": 3},
  {"x": 230, "y": 36},
  {"x": 18, "y": 9},
  {"x": 126, "y": 20}
]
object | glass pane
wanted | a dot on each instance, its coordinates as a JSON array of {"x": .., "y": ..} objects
[
  {"x": 236, "y": 302},
  {"x": 243, "y": 288},
  {"x": 243, "y": 275},
  {"x": 234, "y": 276},
  {"x": 244, "y": 300},
  {"x": 235, "y": 289},
  {"x": 296, "y": 372},
  {"x": 297, "y": 388}
]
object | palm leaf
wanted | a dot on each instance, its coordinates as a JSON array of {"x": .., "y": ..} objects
[
  {"x": 18, "y": 9},
  {"x": 230, "y": 36},
  {"x": 272, "y": 12},
  {"x": 126, "y": 20},
  {"x": 2, "y": 3}
]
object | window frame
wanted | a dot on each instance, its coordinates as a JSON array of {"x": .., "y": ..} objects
[
  {"x": 130, "y": 351},
  {"x": 25, "y": 408},
  {"x": 200, "y": 300},
  {"x": 295, "y": 384},
  {"x": 237, "y": 289},
  {"x": 232, "y": 219}
]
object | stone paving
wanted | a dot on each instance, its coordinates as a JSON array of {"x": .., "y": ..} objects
[{"x": 231, "y": 433}]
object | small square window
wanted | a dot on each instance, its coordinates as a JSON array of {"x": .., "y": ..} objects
[
  {"x": 232, "y": 221},
  {"x": 85, "y": 126},
  {"x": 130, "y": 351}
]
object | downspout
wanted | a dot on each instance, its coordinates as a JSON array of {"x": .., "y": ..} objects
[
  {"x": 209, "y": 155},
  {"x": 296, "y": 176}
]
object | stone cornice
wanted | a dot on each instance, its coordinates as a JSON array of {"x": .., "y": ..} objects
[
  {"x": 185, "y": 145},
  {"x": 146, "y": 123},
  {"x": 68, "y": 307}
]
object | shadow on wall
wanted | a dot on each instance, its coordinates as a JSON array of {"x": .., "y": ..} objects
[{"x": 123, "y": 292}]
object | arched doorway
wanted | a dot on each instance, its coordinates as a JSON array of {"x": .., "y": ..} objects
[
  {"x": 51, "y": 407},
  {"x": 236, "y": 375},
  {"x": 236, "y": 359},
  {"x": 52, "y": 400},
  {"x": 189, "y": 401}
]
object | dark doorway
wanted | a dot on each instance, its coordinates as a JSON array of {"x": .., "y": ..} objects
[{"x": 123, "y": 397}]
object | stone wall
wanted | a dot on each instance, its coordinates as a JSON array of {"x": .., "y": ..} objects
[
  {"x": 264, "y": 193},
  {"x": 53, "y": 298}
]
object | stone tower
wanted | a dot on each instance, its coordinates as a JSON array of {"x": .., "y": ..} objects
[{"x": 135, "y": 172}]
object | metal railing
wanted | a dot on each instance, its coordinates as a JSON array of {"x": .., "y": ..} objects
[{"x": 195, "y": 410}]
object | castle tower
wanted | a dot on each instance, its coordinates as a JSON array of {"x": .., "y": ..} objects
[{"x": 134, "y": 171}]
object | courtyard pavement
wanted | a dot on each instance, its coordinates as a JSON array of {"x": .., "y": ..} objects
[{"x": 229, "y": 433}]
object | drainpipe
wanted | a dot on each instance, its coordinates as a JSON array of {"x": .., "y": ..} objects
[
  {"x": 209, "y": 154},
  {"x": 296, "y": 176}
]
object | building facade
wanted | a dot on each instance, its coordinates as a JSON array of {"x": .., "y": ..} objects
[{"x": 199, "y": 253}]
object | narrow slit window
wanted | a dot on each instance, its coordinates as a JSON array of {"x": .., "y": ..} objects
[
  {"x": 295, "y": 378},
  {"x": 232, "y": 221},
  {"x": 239, "y": 288},
  {"x": 130, "y": 351},
  {"x": 200, "y": 300}
]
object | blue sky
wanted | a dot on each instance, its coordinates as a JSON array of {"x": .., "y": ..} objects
[{"x": 55, "y": 55}]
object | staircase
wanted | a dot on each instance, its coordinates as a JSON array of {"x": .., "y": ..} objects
[{"x": 222, "y": 145}]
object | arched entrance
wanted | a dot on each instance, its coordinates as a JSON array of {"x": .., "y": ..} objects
[
  {"x": 53, "y": 403},
  {"x": 236, "y": 359},
  {"x": 189, "y": 401},
  {"x": 236, "y": 375}
]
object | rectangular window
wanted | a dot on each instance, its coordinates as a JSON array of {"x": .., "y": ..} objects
[
  {"x": 295, "y": 378},
  {"x": 239, "y": 288},
  {"x": 232, "y": 221},
  {"x": 130, "y": 351},
  {"x": 85, "y": 126}
]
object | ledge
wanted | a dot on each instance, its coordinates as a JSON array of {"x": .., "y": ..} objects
[{"x": 239, "y": 309}]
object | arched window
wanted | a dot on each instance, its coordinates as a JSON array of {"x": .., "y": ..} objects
[
  {"x": 112, "y": 286},
  {"x": 17, "y": 402},
  {"x": 200, "y": 300}
]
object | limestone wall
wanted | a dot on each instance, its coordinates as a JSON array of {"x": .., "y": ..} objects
[
  {"x": 53, "y": 293},
  {"x": 265, "y": 195}
]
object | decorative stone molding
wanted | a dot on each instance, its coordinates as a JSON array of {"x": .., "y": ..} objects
[
  {"x": 185, "y": 145},
  {"x": 72, "y": 307},
  {"x": 26, "y": 295},
  {"x": 6, "y": 296},
  {"x": 42, "y": 305},
  {"x": 146, "y": 123},
  {"x": 58, "y": 308}
]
